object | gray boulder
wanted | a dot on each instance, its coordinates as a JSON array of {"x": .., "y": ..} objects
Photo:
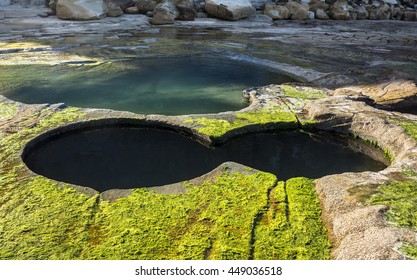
[
  {"x": 229, "y": 9},
  {"x": 340, "y": 10},
  {"x": 164, "y": 13},
  {"x": 276, "y": 11},
  {"x": 297, "y": 11},
  {"x": 145, "y": 6},
  {"x": 321, "y": 14},
  {"x": 81, "y": 9}
]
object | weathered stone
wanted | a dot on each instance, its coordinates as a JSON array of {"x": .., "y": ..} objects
[
  {"x": 259, "y": 4},
  {"x": 113, "y": 10},
  {"x": 391, "y": 2},
  {"x": 164, "y": 13},
  {"x": 81, "y": 9},
  {"x": 145, "y": 6},
  {"x": 340, "y": 10},
  {"x": 52, "y": 5},
  {"x": 276, "y": 11},
  {"x": 132, "y": 10},
  {"x": 297, "y": 11},
  {"x": 410, "y": 16},
  {"x": 123, "y": 4},
  {"x": 317, "y": 4},
  {"x": 321, "y": 14},
  {"x": 401, "y": 93},
  {"x": 186, "y": 10},
  {"x": 229, "y": 9},
  {"x": 360, "y": 11},
  {"x": 382, "y": 12}
]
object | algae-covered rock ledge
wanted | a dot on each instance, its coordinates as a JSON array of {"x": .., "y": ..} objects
[{"x": 233, "y": 212}]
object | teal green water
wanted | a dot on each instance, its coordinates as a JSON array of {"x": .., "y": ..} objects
[{"x": 170, "y": 86}]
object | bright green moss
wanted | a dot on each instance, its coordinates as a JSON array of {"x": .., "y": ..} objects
[
  {"x": 218, "y": 127},
  {"x": 7, "y": 111},
  {"x": 401, "y": 197},
  {"x": 38, "y": 220},
  {"x": 292, "y": 228},
  {"x": 410, "y": 128},
  {"x": 410, "y": 250},
  {"x": 306, "y": 93},
  {"x": 211, "y": 221}
]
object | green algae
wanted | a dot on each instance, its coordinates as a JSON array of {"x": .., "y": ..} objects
[
  {"x": 7, "y": 111},
  {"x": 39, "y": 220},
  {"x": 410, "y": 128},
  {"x": 401, "y": 197},
  {"x": 305, "y": 93},
  {"x": 217, "y": 127},
  {"x": 211, "y": 221},
  {"x": 410, "y": 250},
  {"x": 292, "y": 227}
]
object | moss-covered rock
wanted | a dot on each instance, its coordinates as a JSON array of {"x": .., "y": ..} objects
[{"x": 292, "y": 227}]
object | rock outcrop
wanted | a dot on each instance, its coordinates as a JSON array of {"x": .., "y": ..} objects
[
  {"x": 81, "y": 9},
  {"x": 229, "y": 9}
]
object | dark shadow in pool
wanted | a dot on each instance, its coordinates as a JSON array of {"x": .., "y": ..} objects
[{"x": 127, "y": 157}]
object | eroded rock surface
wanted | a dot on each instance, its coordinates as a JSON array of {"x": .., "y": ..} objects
[
  {"x": 81, "y": 9},
  {"x": 229, "y": 9}
]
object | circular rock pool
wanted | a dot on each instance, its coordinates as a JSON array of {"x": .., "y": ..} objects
[
  {"x": 110, "y": 157},
  {"x": 168, "y": 86}
]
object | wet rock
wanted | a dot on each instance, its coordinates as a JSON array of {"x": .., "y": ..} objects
[
  {"x": 340, "y": 10},
  {"x": 229, "y": 9},
  {"x": 81, "y": 9},
  {"x": 165, "y": 13},
  {"x": 145, "y": 6},
  {"x": 297, "y": 11},
  {"x": 276, "y": 11}
]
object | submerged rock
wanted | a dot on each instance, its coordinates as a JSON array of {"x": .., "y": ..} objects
[
  {"x": 81, "y": 9},
  {"x": 229, "y": 9}
]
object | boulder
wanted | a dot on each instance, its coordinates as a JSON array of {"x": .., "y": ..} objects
[
  {"x": 132, "y": 10},
  {"x": 340, "y": 10},
  {"x": 229, "y": 9},
  {"x": 81, "y": 9},
  {"x": 360, "y": 11},
  {"x": 321, "y": 14},
  {"x": 382, "y": 12},
  {"x": 276, "y": 11},
  {"x": 297, "y": 11},
  {"x": 123, "y": 4},
  {"x": 113, "y": 10},
  {"x": 410, "y": 16},
  {"x": 317, "y": 4},
  {"x": 145, "y": 6},
  {"x": 164, "y": 13},
  {"x": 186, "y": 10}
]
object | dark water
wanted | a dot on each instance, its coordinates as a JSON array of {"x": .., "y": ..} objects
[
  {"x": 169, "y": 86},
  {"x": 117, "y": 157}
]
